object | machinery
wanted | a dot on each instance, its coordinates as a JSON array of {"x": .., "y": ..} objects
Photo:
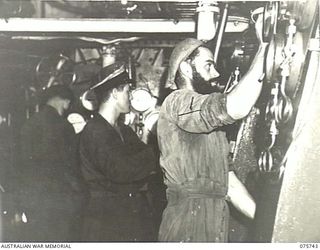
[{"x": 274, "y": 150}]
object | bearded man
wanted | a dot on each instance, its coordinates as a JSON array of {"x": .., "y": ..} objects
[{"x": 193, "y": 148}]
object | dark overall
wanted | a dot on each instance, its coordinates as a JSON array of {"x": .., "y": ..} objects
[
  {"x": 115, "y": 171},
  {"x": 50, "y": 184}
]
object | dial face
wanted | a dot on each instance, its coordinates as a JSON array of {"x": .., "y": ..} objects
[
  {"x": 141, "y": 99},
  {"x": 77, "y": 121}
]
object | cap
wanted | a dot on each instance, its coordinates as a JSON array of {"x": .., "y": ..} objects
[
  {"x": 111, "y": 76},
  {"x": 181, "y": 51},
  {"x": 56, "y": 90}
]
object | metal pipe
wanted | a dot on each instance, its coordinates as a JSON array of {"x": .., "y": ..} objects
[
  {"x": 130, "y": 67},
  {"x": 222, "y": 26},
  {"x": 96, "y": 25},
  {"x": 88, "y": 25},
  {"x": 206, "y": 26},
  {"x": 108, "y": 55}
]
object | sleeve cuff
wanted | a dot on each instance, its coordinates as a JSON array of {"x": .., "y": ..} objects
[{"x": 214, "y": 107}]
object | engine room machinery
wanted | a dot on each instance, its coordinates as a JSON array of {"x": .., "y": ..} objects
[{"x": 274, "y": 150}]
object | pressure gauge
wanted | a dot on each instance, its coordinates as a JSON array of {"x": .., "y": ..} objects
[
  {"x": 142, "y": 100},
  {"x": 77, "y": 121}
]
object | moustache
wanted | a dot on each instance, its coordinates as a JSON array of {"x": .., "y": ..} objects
[{"x": 216, "y": 85}]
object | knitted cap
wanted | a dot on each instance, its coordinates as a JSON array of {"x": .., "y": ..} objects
[{"x": 181, "y": 52}]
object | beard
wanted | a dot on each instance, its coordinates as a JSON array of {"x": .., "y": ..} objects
[{"x": 202, "y": 86}]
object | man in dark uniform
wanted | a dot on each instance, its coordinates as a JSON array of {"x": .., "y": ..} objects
[
  {"x": 116, "y": 165},
  {"x": 52, "y": 192}
]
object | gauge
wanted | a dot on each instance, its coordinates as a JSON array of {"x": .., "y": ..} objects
[
  {"x": 77, "y": 121},
  {"x": 141, "y": 99}
]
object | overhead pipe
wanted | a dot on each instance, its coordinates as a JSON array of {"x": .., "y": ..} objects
[
  {"x": 89, "y": 25},
  {"x": 207, "y": 12},
  {"x": 108, "y": 55},
  {"x": 221, "y": 29}
]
